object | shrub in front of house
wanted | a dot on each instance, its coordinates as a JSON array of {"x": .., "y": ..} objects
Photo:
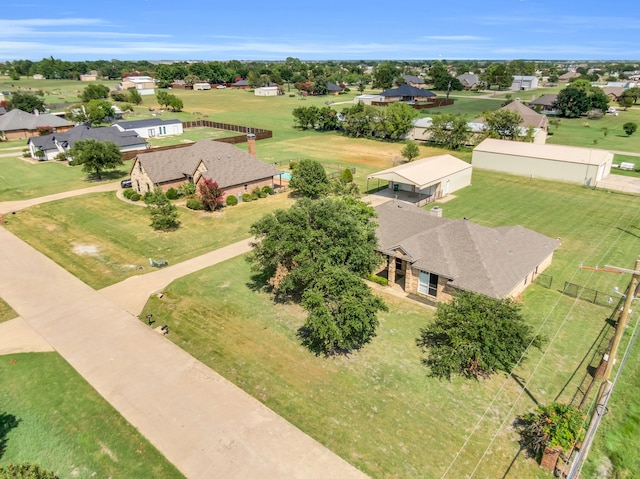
[
  {"x": 172, "y": 194},
  {"x": 135, "y": 196},
  {"x": 128, "y": 192},
  {"x": 267, "y": 190},
  {"x": 186, "y": 189},
  {"x": 378, "y": 279},
  {"x": 195, "y": 204},
  {"x": 232, "y": 200},
  {"x": 246, "y": 197}
]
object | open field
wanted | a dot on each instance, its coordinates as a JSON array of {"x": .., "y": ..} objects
[
  {"x": 6, "y": 312},
  {"x": 375, "y": 407},
  {"x": 51, "y": 416},
  {"x": 103, "y": 240}
]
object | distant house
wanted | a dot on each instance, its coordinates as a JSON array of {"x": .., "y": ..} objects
[
  {"x": 241, "y": 84},
  {"x": 180, "y": 85},
  {"x": 435, "y": 258},
  {"x": 613, "y": 92},
  {"x": 333, "y": 89},
  {"x": 470, "y": 81},
  {"x": 152, "y": 127},
  {"x": 267, "y": 91},
  {"x": 235, "y": 170},
  {"x": 38, "y": 76},
  {"x": 546, "y": 104},
  {"x": 202, "y": 86},
  {"x": 91, "y": 76},
  {"x": 414, "y": 81},
  {"x": 144, "y": 84},
  {"x": 425, "y": 180},
  {"x": 566, "y": 77},
  {"x": 524, "y": 82},
  {"x": 406, "y": 93},
  {"x": 530, "y": 119},
  {"x": 420, "y": 130},
  {"x": 584, "y": 166},
  {"x": 56, "y": 143},
  {"x": 17, "y": 124}
]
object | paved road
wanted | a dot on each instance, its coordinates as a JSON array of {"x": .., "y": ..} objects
[{"x": 203, "y": 424}]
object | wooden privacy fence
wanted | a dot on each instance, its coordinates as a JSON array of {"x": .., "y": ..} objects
[{"x": 258, "y": 132}]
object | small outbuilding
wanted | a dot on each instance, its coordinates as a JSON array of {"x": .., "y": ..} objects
[
  {"x": 267, "y": 91},
  {"x": 572, "y": 164},
  {"x": 203, "y": 85},
  {"x": 424, "y": 181},
  {"x": 152, "y": 127}
]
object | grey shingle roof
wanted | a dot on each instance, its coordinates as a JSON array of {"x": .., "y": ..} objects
[
  {"x": 408, "y": 90},
  {"x": 545, "y": 100},
  {"x": 130, "y": 125},
  {"x": 84, "y": 132},
  {"x": 225, "y": 164},
  {"x": 20, "y": 120},
  {"x": 413, "y": 79},
  {"x": 333, "y": 87},
  {"x": 490, "y": 261}
]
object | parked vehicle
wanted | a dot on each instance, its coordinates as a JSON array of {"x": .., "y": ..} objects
[{"x": 126, "y": 183}]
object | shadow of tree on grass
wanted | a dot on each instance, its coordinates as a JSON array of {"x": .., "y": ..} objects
[{"x": 7, "y": 423}]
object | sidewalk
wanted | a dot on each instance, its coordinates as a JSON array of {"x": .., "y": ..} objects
[{"x": 206, "y": 426}]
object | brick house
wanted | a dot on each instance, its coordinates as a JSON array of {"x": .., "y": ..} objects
[
  {"x": 18, "y": 124},
  {"x": 435, "y": 257},
  {"x": 235, "y": 170}
]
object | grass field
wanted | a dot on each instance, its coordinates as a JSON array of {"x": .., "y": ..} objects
[
  {"x": 6, "y": 312},
  {"x": 376, "y": 407},
  {"x": 103, "y": 240},
  {"x": 51, "y": 416}
]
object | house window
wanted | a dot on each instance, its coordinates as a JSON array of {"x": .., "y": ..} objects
[
  {"x": 428, "y": 284},
  {"x": 246, "y": 187},
  {"x": 151, "y": 132},
  {"x": 398, "y": 264}
]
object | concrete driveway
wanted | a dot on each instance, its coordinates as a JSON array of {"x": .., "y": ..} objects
[
  {"x": 624, "y": 184},
  {"x": 206, "y": 426}
]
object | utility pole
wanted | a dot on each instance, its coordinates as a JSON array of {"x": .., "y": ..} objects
[{"x": 606, "y": 386}]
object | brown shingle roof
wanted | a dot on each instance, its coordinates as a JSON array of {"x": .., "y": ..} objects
[
  {"x": 530, "y": 118},
  {"x": 490, "y": 261},
  {"x": 225, "y": 164}
]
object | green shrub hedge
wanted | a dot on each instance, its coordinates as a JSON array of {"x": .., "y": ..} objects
[
  {"x": 172, "y": 194},
  {"x": 246, "y": 197},
  {"x": 195, "y": 204},
  {"x": 135, "y": 196},
  {"x": 267, "y": 190},
  {"x": 232, "y": 200},
  {"x": 378, "y": 279}
]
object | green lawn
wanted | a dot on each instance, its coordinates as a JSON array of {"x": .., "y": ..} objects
[
  {"x": 51, "y": 416},
  {"x": 591, "y": 132},
  {"x": 376, "y": 407},
  {"x": 103, "y": 240},
  {"x": 6, "y": 312}
]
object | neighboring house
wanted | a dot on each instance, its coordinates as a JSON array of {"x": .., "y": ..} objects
[
  {"x": 406, "y": 93},
  {"x": 546, "y": 104},
  {"x": 235, "y": 170},
  {"x": 367, "y": 99},
  {"x": 144, "y": 84},
  {"x": 91, "y": 76},
  {"x": 3, "y": 110},
  {"x": 56, "y": 143},
  {"x": 414, "y": 81},
  {"x": 425, "y": 180},
  {"x": 420, "y": 130},
  {"x": 585, "y": 166},
  {"x": 241, "y": 84},
  {"x": 565, "y": 77},
  {"x": 530, "y": 117},
  {"x": 180, "y": 85},
  {"x": 470, "y": 81},
  {"x": 613, "y": 92},
  {"x": 524, "y": 82},
  {"x": 333, "y": 89},
  {"x": 202, "y": 86},
  {"x": 435, "y": 258},
  {"x": 38, "y": 76},
  {"x": 17, "y": 124},
  {"x": 152, "y": 127},
  {"x": 267, "y": 91}
]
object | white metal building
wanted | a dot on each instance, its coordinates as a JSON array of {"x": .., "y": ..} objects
[
  {"x": 436, "y": 176},
  {"x": 152, "y": 127},
  {"x": 584, "y": 166},
  {"x": 367, "y": 99},
  {"x": 202, "y": 86},
  {"x": 266, "y": 91}
]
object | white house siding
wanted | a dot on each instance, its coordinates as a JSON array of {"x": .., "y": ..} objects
[
  {"x": 159, "y": 130},
  {"x": 558, "y": 170},
  {"x": 367, "y": 99},
  {"x": 266, "y": 91}
]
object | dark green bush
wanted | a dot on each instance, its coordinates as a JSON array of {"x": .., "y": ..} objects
[
  {"x": 378, "y": 279},
  {"x": 135, "y": 196},
  {"x": 267, "y": 190},
  {"x": 246, "y": 197},
  {"x": 293, "y": 164},
  {"x": 128, "y": 192},
  {"x": 232, "y": 200},
  {"x": 172, "y": 194},
  {"x": 195, "y": 204}
]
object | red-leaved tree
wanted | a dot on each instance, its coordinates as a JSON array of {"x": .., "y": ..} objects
[{"x": 211, "y": 195}]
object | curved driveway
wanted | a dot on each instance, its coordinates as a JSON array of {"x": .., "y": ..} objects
[{"x": 206, "y": 426}]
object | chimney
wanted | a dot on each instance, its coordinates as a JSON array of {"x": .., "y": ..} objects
[{"x": 251, "y": 144}]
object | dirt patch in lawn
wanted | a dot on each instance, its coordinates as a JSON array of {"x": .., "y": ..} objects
[{"x": 85, "y": 249}]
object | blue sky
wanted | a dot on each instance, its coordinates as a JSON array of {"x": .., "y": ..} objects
[{"x": 352, "y": 30}]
